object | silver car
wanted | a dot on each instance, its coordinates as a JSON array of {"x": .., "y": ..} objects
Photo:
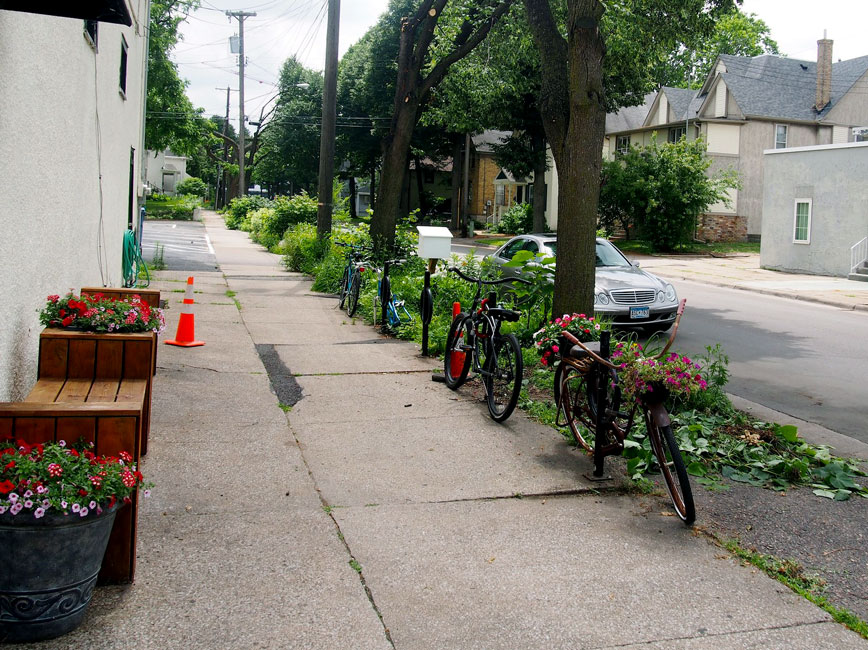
[{"x": 624, "y": 294}]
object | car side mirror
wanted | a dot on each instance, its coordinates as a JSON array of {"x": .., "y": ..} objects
[{"x": 636, "y": 264}]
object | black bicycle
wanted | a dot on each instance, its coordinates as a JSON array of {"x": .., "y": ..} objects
[{"x": 475, "y": 341}]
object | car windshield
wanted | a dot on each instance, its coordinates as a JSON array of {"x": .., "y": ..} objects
[{"x": 608, "y": 255}]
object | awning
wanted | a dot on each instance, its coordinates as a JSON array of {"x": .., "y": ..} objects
[{"x": 104, "y": 11}]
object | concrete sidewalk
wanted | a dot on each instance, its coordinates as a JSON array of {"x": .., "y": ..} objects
[{"x": 385, "y": 511}]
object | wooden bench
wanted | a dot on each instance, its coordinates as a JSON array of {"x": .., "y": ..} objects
[
  {"x": 96, "y": 387},
  {"x": 112, "y": 427},
  {"x": 150, "y": 297}
]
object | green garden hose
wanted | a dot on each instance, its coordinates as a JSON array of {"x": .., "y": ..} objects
[{"x": 133, "y": 265}]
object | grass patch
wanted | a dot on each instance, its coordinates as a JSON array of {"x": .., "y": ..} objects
[
  {"x": 637, "y": 246},
  {"x": 809, "y": 586},
  {"x": 232, "y": 294},
  {"x": 286, "y": 408},
  {"x": 158, "y": 263}
]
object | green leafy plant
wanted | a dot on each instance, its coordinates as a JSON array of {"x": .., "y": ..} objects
[
  {"x": 192, "y": 185},
  {"x": 536, "y": 296},
  {"x": 518, "y": 219},
  {"x": 240, "y": 206}
]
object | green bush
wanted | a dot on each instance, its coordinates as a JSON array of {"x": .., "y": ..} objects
[
  {"x": 194, "y": 186},
  {"x": 518, "y": 220},
  {"x": 176, "y": 207},
  {"x": 291, "y": 210},
  {"x": 240, "y": 206}
]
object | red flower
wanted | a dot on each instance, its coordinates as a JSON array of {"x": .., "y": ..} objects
[
  {"x": 82, "y": 492},
  {"x": 66, "y": 322},
  {"x": 9, "y": 465},
  {"x": 73, "y": 452},
  {"x": 55, "y": 470},
  {"x": 126, "y": 457},
  {"x": 6, "y": 487},
  {"x": 62, "y": 313}
]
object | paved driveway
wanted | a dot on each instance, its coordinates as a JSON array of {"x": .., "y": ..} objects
[{"x": 185, "y": 244}]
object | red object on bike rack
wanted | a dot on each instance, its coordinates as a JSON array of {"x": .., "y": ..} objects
[{"x": 456, "y": 360}]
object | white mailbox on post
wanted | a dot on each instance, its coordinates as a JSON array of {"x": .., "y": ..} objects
[{"x": 435, "y": 242}]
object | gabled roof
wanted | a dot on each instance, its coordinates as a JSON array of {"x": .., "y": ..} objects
[
  {"x": 777, "y": 87},
  {"x": 680, "y": 100},
  {"x": 629, "y": 117}
]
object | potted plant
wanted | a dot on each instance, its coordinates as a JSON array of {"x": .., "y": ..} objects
[
  {"x": 57, "y": 506},
  {"x": 100, "y": 313}
]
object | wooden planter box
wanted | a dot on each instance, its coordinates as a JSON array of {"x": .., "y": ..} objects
[{"x": 96, "y": 387}]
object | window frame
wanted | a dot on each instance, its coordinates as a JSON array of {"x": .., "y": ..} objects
[
  {"x": 810, "y": 204},
  {"x": 123, "y": 70},
  {"x": 786, "y": 128},
  {"x": 676, "y": 133},
  {"x": 90, "y": 31},
  {"x": 857, "y": 132},
  {"x": 619, "y": 148}
]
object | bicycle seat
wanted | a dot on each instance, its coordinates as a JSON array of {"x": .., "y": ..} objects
[
  {"x": 504, "y": 314},
  {"x": 567, "y": 349}
]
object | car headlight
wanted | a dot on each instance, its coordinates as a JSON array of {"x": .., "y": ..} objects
[
  {"x": 671, "y": 296},
  {"x": 660, "y": 297},
  {"x": 600, "y": 297}
]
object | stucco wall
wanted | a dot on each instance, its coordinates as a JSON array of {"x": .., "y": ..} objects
[
  {"x": 852, "y": 109},
  {"x": 52, "y": 149},
  {"x": 833, "y": 177}
]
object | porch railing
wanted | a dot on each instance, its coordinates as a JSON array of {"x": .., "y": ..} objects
[{"x": 858, "y": 254}]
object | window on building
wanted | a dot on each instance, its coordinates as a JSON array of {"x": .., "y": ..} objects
[
  {"x": 802, "y": 227},
  {"x": 91, "y": 31},
  {"x": 499, "y": 195},
  {"x": 123, "y": 70},
  {"x": 676, "y": 133},
  {"x": 860, "y": 133},
  {"x": 780, "y": 136},
  {"x": 622, "y": 144}
]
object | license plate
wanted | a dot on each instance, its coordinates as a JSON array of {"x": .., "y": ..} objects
[{"x": 639, "y": 312}]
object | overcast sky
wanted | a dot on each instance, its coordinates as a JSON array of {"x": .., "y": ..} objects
[{"x": 283, "y": 28}]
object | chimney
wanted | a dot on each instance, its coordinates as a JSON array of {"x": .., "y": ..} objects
[{"x": 824, "y": 72}]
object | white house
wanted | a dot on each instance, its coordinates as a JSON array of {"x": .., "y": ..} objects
[
  {"x": 72, "y": 97},
  {"x": 164, "y": 170}
]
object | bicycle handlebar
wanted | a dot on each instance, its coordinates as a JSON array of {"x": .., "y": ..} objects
[
  {"x": 481, "y": 281},
  {"x": 596, "y": 357}
]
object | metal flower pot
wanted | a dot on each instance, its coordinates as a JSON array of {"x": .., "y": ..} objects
[{"x": 48, "y": 569}]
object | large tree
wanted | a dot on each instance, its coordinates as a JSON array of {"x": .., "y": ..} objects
[
  {"x": 735, "y": 33},
  {"x": 580, "y": 84},
  {"x": 171, "y": 121},
  {"x": 422, "y": 65}
]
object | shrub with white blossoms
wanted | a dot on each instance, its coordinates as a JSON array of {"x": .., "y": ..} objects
[
  {"x": 547, "y": 339},
  {"x": 68, "y": 479}
]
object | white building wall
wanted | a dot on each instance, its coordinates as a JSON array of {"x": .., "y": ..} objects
[
  {"x": 63, "y": 122},
  {"x": 833, "y": 178}
]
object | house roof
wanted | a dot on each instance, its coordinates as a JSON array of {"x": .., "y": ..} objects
[
  {"x": 778, "y": 87},
  {"x": 768, "y": 86},
  {"x": 485, "y": 141},
  {"x": 629, "y": 117}
]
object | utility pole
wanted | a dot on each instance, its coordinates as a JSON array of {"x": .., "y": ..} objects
[
  {"x": 329, "y": 116},
  {"x": 241, "y": 15},
  {"x": 222, "y": 177}
]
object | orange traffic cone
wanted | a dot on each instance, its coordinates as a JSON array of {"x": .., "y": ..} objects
[
  {"x": 456, "y": 360},
  {"x": 185, "y": 336}
]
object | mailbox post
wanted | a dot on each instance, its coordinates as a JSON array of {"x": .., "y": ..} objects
[{"x": 435, "y": 243}]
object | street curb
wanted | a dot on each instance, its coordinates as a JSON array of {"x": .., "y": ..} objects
[{"x": 816, "y": 434}]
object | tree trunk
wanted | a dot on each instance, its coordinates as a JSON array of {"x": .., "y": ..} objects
[
  {"x": 420, "y": 189},
  {"x": 394, "y": 172},
  {"x": 352, "y": 183},
  {"x": 373, "y": 188},
  {"x": 457, "y": 175},
  {"x": 539, "y": 183},
  {"x": 571, "y": 103}
]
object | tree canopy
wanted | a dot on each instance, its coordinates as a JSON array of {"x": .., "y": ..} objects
[{"x": 171, "y": 121}]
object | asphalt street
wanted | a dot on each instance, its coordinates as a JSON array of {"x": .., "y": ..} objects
[{"x": 185, "y": 245}]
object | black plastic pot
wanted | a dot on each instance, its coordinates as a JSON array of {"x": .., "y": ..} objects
[{"x": 48, "y": 569}]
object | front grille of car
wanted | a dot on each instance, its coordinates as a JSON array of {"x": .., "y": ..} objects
[{"x": 633, "y": 296}]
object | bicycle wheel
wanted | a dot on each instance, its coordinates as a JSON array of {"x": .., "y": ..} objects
[
  {"x": 672, "y": 468},
  {"x": 503, "y": 374},
  {"x": 353, "y": 293},
  {"x": 343, "y": 293},
  {"x": 454, "y": 368},
  {"x": 571, "y": 396}
]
